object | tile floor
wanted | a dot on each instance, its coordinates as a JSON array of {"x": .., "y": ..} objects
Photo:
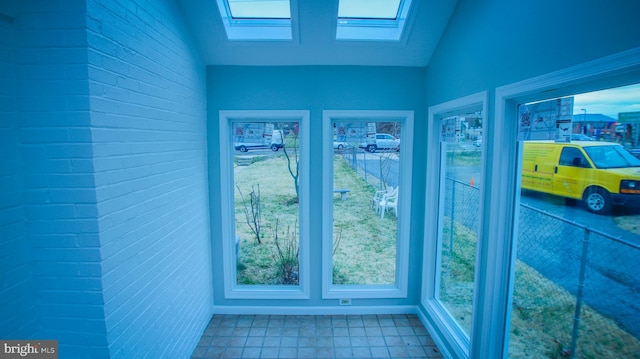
[{"x": 323, "y": 336}]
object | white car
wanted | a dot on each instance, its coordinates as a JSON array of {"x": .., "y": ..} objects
[{"x": 384, "y": 141}]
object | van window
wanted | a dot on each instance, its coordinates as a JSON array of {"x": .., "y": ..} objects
[
  {"x": 612, "y": 157},
  {"x": 572, "y": 156}
]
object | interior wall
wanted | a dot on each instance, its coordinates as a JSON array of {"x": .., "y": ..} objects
[
  {"x": 57, "y": 175},
  {"x": 493, "y": 43},
  {"x": 18, "y": 312},
  {"x": 148, "y": 118},
  {"x": 315, "y": 88}
]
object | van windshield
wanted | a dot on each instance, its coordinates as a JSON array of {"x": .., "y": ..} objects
[{"x": 611, "y": 157}]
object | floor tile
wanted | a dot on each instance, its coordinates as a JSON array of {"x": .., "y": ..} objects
[{"x": 324, "y": 336}]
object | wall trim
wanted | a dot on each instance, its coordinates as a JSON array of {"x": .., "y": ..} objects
[{"x": 317, "y": 310}]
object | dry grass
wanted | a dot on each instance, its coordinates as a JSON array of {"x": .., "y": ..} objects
[
  {"x": 628, "y": 223},
  {"x": 366, "y": 253},
  {"x": 542, "y": 317}
]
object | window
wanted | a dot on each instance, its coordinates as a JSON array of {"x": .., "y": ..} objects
[
  {"x": 572, "y": 156},
  {"x": 259, "y": 9},
  {"x": 377, "y": 20},
  {"x": 265, "y": 217},
  {"x": 501, "y": 302},
  {"x": 453, "y": 214},
  {"x": 570, "y": 293},
  {"x": 368, "y": 9},
  {"x": 257, "y": 19},
  {"x": 366, "y": 203}
]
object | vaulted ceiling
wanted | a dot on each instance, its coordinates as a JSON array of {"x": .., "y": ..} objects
[{"x": 314, "y": 39}]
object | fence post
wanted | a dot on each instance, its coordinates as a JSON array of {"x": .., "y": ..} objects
[
  {"x": 579, "y": 294},
  {"x": 453, "y": 216}
]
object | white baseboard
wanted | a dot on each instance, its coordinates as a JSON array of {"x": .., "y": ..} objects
[{"x": 316, "y": 310}]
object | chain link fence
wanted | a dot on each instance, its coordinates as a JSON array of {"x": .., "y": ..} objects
[{"x": 577, "y": 289}]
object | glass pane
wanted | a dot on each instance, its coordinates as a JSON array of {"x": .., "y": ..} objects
[
  {"x": 266, "y": 202},
  {"x": 259, "y": 9},
  {"x": 368, "y": 9},
  {"x": 577, "y": 281},
  {"x": 461, "y": 168},
  {"x": 366, "y": 192}
]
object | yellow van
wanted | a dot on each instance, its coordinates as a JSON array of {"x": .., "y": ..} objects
[{"x": 602, "y": 174}]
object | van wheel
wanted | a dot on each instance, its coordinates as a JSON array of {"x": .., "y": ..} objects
[
  {"x": 371, "y": 148},
  {"x": 243, "y": 149},
  {"x": 597, "y": 200},
  {"x": 275, "y": 148}
]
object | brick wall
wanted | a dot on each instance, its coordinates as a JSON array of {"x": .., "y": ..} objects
[
  {"x": 57, "y": 174},
  {"x": 18, "y": 314},
  {"x": 104, "y": 225},
  {"x": 147, "y": 97}
]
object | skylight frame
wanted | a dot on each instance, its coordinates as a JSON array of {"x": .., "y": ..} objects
[
  {"x": 255, "y": 28},
  {"x": 374, "y": 29}
]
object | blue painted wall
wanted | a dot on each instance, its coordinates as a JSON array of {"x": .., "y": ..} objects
[
  {"x": 316, "y": 88},
  {"x": 488, "y": 44}
]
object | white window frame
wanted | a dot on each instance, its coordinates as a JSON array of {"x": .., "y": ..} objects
[
  {"x": 259, "y": 29},
  {"x": 433, "y": 220},
  {"x": 399, "y": 289},
  {"x": 350, "y": 29},
  {"x": 491, "y": 325},
  {"x": 232, "y": 290}
]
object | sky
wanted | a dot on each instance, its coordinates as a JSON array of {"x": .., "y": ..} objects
[{"x": 609, "y": 102}]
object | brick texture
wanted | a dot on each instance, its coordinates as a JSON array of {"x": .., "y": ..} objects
[
  {"x": 147, "y": 99},
  {"x": 18, "y": 312},
  {"x": 58, "y": 195},
  {"x": 104, "y": 220}
]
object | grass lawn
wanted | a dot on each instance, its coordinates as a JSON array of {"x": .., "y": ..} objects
[
  {"x": 365, "y": 253},
  {"x": 542, "y": 317}
]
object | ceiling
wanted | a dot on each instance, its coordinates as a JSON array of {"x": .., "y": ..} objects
[{"x": 314, "y": 41}]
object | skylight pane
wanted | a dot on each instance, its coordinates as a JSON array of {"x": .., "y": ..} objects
[
  {"x": 368, "y": 9},
  {"x": 259, "y": 9}
]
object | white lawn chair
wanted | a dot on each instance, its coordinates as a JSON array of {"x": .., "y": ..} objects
[
  {"x": 377, "y": 197},
  {"x": 389, "y": 200}
]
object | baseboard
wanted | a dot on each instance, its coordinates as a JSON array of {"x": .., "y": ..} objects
[{"x": 316, "y": 310}]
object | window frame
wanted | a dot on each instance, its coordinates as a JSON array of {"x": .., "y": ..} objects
[
  {"x": 492, "y": 318},
  {"x": 259, "y": 29},
  {"x": 233, "y": 290},
  {"x": 399, "y": 289},
  {"x": 433, "y": 220},
  {"x": 374, "y": 29}
]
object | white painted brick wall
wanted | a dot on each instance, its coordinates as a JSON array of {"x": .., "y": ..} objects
[
  {"x": 147, "y": 96},
  {"x": 104, "y": 205},
  {"x": 56, "y": 164},
  {"x": 18, "y": 311}
]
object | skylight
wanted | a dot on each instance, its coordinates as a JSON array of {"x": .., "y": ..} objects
[
  {"x": 256, "y": 19},
  {"x": 368, "y": 9},
  {"x": 372, "y": 20},
  {"x": 259, "y": 9}
]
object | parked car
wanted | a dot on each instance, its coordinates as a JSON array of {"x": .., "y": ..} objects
[
  {"x": 383, "y": 141},
  {"x": 601, "y": 174},
  {"x": 580, "y": 137},
  {"x": 341, "y": 145},
  {"x": 274, "y": 144}
]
